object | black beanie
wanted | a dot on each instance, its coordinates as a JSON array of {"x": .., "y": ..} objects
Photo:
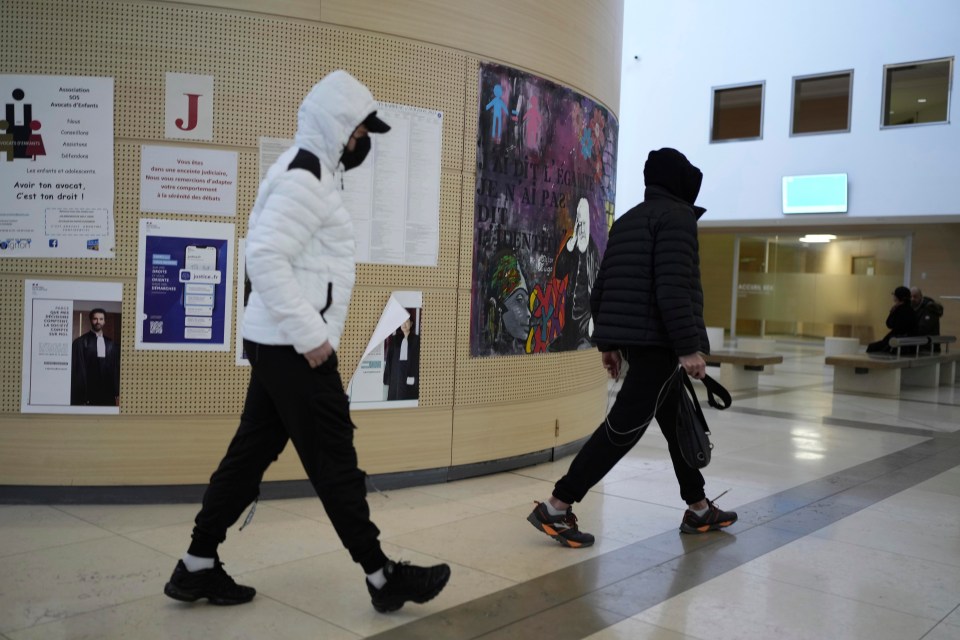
[{"x": 670, "y": 169}]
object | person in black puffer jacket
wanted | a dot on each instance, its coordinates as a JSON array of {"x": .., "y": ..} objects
[{"x": 647, "y": 307}]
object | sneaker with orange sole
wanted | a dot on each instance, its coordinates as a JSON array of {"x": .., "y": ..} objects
[
  {"x": 562, "y": 528},
  {"x": 714, "y": 519}
]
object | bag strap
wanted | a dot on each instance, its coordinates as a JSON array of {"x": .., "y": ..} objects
[
  {"x": 694, "y": 402},
  {"x": 714, "y": 387}
]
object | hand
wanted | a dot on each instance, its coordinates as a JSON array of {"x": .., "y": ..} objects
[
  {"x": 318, "y": 356},
  {"x": 694, "y": 365},
  {"x": 611, "y": 362}
]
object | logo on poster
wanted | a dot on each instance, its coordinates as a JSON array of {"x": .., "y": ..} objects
[
  {"x": 54, "y": 243},
  {"x": 93, "y": 245},
  {"x": 15, "y": 244},
  {"x": 20, "y": 136}
]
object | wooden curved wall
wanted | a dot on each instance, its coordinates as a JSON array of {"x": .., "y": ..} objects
[{"x": 179, "y": 409}]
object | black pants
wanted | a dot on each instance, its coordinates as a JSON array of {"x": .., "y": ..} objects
[
  {"x": 287, "y": 400},
  {"x": 649, "y": 368}
]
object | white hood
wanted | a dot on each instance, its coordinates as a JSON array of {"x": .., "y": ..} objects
[{"x": 331, "y": 111}]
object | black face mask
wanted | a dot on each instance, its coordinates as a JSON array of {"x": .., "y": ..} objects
[{"x": 353, "y": 159}]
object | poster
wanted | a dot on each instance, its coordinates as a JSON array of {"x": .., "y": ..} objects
[
  {"x": 56, "y": 167},
  {"x": 546, "y": 180},
  {"x": 270, "y": 150},
  {"x": 394, "y": 196},
  {"x": 395, "y": 199},
  {"x": 188, "y": 103},
  {"x": 71, "y": 347},
  {"x": 243, "y": 295},
  {"x": 188, "y": 180},
  {"x": 388, "y": 375},
  {"x": 184, "y": 285}
]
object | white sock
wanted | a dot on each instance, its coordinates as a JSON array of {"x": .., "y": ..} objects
[
  {"x": 196, "y": 563},
  {"x": 377, "y": 579},
  {"x": 700, "y": 512},
  {"x": 553, "y": 510}
]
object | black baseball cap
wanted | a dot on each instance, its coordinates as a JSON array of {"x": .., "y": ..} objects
[{"x": 375, "y": 124}]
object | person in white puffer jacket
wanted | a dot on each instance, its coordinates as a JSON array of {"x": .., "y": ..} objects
[{"x": 300, "y": 261}]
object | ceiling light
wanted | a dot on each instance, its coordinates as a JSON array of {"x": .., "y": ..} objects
[
  {"x": 818, "y": 237},
  {"x": 921, "y": 100}
]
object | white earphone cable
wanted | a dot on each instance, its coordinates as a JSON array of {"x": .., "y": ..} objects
[{"x": 611, "y": 431}]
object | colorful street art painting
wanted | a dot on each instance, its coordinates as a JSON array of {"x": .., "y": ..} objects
[{"x": 546, "y": 178}]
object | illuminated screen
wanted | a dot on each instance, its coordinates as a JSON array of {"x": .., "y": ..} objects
[{"x": 815, "y": 194}]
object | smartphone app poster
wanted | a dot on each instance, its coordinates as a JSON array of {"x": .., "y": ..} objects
[
  {"x": 388, "y": 376},
  {"x": 185, "y": 285},
  {"x": 56, "y": 167},
  {"x": 243, "y": 296},
  {"x": 71, "y": 347}
]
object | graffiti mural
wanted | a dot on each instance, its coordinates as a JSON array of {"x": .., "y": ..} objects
[{"x": 545, "y": 185}]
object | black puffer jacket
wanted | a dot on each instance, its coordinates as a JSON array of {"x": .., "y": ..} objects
[{"x": 648, "y": 290}]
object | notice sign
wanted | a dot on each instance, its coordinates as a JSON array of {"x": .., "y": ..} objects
[
  {"x": 71, "y": 347},
  {"x": 56, "y": 167},
  {"x": 188, "y": 180},
  {"x": 388, "y": 374},
  {"x": 394, "y": 197},
  {"x": 184, "y": 285},
  {"x": 189, "y": 106}
]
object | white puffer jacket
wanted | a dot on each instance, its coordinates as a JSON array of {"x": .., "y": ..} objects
[{"x": 300, "y": 247}]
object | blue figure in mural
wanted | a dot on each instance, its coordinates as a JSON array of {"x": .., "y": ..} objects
[
  {"x": 586, "y": 143},
  {"x": 500, "y": 109}
]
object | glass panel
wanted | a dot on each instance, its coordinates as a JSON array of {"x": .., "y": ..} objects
[
  {"x": 917, "y": 93},
  {"x": 737, "y": 113},
  {"x": 821, "y": 104},
  {"x": 810, "y": 290}
]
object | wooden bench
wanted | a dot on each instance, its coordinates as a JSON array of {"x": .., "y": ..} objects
[
  {"x": 884, "y": 373},
  {"x": 740, "y": 370}
]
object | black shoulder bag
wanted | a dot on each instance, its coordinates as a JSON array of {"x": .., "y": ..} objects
[{"x": 693, "y": 434}]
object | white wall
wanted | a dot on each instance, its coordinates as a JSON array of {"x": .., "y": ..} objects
[{"x": 687, "y": 47}]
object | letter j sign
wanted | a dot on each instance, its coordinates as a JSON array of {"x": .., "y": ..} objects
[{"x": 189, "y": 109}]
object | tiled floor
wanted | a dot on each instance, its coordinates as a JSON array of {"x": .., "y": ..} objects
[{"x": 849, "y": 528}]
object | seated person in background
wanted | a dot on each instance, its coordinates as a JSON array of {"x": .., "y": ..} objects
[
  {"x": 928, "y": 313},
  {"x": 901, "y": 321}
]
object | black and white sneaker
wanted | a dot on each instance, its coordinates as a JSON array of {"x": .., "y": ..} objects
[
  {"x": 213, "y": 584},
  {"x": 408, "y": 583}
]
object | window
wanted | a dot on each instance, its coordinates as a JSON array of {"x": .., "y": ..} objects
[
  {"x": 917, "y": 92},
  {"x": 737, "y": 113},
  {"x": 821, "y": 104}
]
